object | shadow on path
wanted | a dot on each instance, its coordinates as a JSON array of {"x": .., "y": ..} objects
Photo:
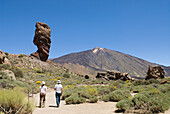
[{"x": 52, "y": 106}]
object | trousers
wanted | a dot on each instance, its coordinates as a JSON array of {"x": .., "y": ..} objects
[
  {"x": 58, "y": 95},
  {"x": 42, "y": 100}
]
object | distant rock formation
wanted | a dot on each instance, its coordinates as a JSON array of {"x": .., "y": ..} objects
[
  {"x": 42, "y": 41},
  {"x": 155, "y": 72},
  {"x": 3, "y": 59},
  {"x": 164, "y": 81},
  {"x": 114, "y": 75}
]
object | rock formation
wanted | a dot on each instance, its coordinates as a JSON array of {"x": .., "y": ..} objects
[
  {"x": 114, "y": 75},
  {"x": 7, "y": 74},
  {"x": 42, "y": 41},
  {"x": 3, "y": 59},
  {"x": 164, "y": 81},
  {"x": 155, "y": 72}
]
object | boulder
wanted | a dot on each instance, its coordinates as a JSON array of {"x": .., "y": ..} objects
[
  {"x": 7, "y": 74},
  {"x": 113, "y": 75},
  {"x": 164, "y": 81},
  {"x": 155, "y": 72},
  {"x": 3, "y": 59},
  {"x": 42, "y": 40}
]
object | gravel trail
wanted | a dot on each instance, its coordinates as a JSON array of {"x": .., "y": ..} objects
[{"x": 86, "y": 108}]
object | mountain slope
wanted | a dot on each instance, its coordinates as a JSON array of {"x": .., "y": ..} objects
[{"x": 101, "y": 59}]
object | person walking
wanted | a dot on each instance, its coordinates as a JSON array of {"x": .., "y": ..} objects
[
  {"x": 59, "y": 91},
  {"x": 42, "y": 91}
]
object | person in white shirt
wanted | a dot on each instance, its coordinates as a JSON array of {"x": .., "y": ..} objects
[
  {"x": 59, "y": 91},
  {"x": 42, "y": 91}
]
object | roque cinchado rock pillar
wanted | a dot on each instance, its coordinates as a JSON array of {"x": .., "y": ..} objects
[{"x": 42, "y": 40}]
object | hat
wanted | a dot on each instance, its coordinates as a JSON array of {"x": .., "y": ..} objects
[
  {"x": 42, "y": 82},
  {"x": 58, "y": 81}
]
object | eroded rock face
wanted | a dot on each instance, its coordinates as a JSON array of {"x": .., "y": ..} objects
[
  {"x": 111, "y": 75},
  {"x": 155, "y": 72},
  {"x": 42, "y": 40},
  {"x": 3, "y": 59}
]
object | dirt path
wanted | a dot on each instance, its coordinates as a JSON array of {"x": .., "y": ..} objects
[{"x": 86, "y": 108}]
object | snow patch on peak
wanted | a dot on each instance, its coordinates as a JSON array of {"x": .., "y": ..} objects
[{"x": 96, "y": 49}]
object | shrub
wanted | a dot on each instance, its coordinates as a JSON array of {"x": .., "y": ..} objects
[
  {"x": 103, "y": 90},
  {"x": 112, "y": 87},
  {"x": 124, "y": 105},
  {"x": 75, "y": 99},
  {"x": 151, "y": 101},
  {"x": 20, "y": 56},
  {"x": 119, "y": 95},
  {"x": 18, "y": 72},
  {"x": 159, "y": 103},
  {"x": 93, "y": 99},
  {"x": 66, "y": 94},
  {"x": 6, "y": 55},
  {"x": 23, "y": 89},
  {"x": 4, "y": 75},
  {"x": 138, "y": 88},
  {"x": 116, "y": 84},
  {"x": 151, "y": 81},
  {"x": 139, "y": 100},
  {"x": 5, "y": 66},
  {"x": 92, "y": 91},
  {"x": 28, "y": 108},
  {"x": 164, "y": 88},
  {"x": 10, "y": 99},
  {"x": 106, "y": 98},
  {"x": 138, "y": 82},
  {"x": 68, "y": 87},
  {"x": 84, "y": 94},
  {"x": 66, "y": 76},
  {"x": 15, "y": 62}
]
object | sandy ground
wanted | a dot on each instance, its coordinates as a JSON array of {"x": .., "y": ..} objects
[{"x": 86, "y": 108}]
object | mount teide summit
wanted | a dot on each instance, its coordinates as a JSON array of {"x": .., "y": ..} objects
[{"x": 91, "y": 62}]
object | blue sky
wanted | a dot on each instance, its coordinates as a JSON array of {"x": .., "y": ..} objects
[{"x": 140, "y": 28}]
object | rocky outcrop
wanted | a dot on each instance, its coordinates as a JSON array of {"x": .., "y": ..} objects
[
  {"x": 155, "y": 72},
  {"x": 164, "y": 81},
  {"x": 3, "y": 59},
  {"x": 114, "y": 75},
  {"x": 7, "y": 74},
  {"x": 42, "y": 40}
]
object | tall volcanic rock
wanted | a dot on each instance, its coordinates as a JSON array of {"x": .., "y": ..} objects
[
  {"x": 96, "y": 60},
  {"x": 42, "y": 40},
  {"x": 155, "y": 72}
]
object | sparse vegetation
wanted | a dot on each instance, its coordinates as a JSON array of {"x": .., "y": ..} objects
[
  {"x": 75, "y": 99},
  {"x": 18, "y": 72},
  {"x": 152, "y": 97},
  {"x": 11, "y": 101},
  {"x": 66, "y": 76}
]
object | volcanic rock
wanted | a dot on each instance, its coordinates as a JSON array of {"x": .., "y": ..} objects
[
  {"x": 42, "y": 40},
  {"x": 164, "y": 81},
  {"x": 3, "y": 59},
  {"x": 113, "y": 75},
  {"x": 155, "y": 72}
]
